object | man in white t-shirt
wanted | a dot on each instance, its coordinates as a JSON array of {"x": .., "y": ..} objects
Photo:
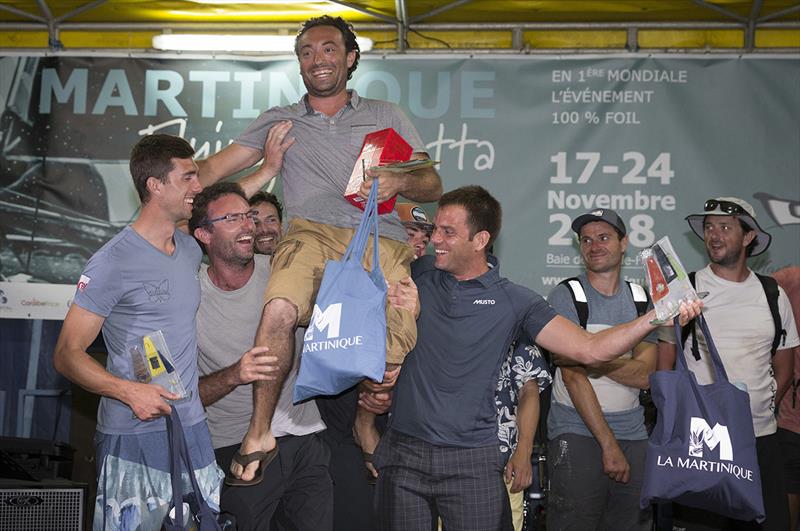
[{"x": 739, "y": 317}]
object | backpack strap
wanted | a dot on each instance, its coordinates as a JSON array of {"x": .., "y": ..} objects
[
  {"x": 640, "y": 297},
  {"x": 770, "y": 286},
  {"x": 578, "y": 299}
]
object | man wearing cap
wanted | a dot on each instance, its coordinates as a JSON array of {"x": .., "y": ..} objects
[
  {"x": 596, "y": 424},
  {"x": 417, "y": 226},
  {"x": 738, "y": 314}
]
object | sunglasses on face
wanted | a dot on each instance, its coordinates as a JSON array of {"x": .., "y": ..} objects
[{"x": 725, "y": 206}]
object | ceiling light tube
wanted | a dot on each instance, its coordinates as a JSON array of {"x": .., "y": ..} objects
[{"x": 233, "y": 43}]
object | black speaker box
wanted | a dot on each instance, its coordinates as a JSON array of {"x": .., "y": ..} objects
[{"x": 47, "y": 505}]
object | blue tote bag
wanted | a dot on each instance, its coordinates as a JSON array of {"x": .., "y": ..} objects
[
  {"x": 702, "y": 452},
  {"x": 346, "y": 338}
]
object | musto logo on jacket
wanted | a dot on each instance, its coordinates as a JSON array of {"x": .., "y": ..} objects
[
  {"x": 327, "y": 322},
  {"x": 702, "y": 436}
]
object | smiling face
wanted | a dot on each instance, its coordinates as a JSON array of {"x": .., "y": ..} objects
[
  {"x": 601, "y": 247},
  {"x": 176, "y": 195},
  {"x": 268, "y": 228},
  {"x": 417, "y": 238},
  {"x": 457, "y": 252},
  {"x": 229, "y": 241},
  {"x": 725, "y": 240},
  {"x": 324, "y": 61}
]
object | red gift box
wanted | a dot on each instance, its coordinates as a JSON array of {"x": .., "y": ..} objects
[{"x": 380, "y": 148}]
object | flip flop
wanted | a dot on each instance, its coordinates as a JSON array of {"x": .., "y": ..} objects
[{"x": 264, "y": 459}]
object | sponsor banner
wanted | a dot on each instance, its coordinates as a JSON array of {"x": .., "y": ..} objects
[
  {"x": 20, "y": 300},
  {"x": 651, "y": 137}
]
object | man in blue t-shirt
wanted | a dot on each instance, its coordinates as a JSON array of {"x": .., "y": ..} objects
[
  {"x": 143, "y": 281},
  {"x": 596, "y": 424},
  {"x": 441, "y": 455}
]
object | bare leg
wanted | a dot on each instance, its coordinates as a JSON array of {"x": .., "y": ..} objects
[{"x": 276, "y": 330}]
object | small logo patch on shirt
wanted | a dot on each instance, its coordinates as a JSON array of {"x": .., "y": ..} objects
[
  {"x": 483, "y": 301},
  {"x": 83, "y": 282},
  {"x": 157, "y": 290}
]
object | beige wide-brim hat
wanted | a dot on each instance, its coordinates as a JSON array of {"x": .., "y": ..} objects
[{"x": 763, "y": 239}]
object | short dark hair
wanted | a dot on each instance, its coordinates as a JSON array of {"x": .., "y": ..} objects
[
  {"x": 348, "y": 35},
  {"x": 204, "y": 198},
  {"x": 747, "y": 228},
  {"x": 483, "y": 210},
  {"x": 152, "y": 157},
  {"x": 266, "y": 197}
]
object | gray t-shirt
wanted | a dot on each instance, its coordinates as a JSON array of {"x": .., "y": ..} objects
[
  {"x": 226, "y": 327},
  {"x": 620, "y": 403},
  {"x": 317, "y": 167},
  {"x": 138, "y": 290}
]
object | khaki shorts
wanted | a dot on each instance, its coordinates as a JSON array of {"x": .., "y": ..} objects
[{"x": 298, "y": 264}]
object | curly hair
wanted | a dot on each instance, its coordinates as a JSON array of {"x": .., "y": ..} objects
[
  {"x": 348, "y": 35},
  {"x": 204, "y": 198}
]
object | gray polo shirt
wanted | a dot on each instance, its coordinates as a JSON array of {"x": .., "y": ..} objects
[
  {"x": 317, "y": 167},
  {"x": 445, "y": 394}
]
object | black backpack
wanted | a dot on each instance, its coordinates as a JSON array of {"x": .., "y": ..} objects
[
  {"x": 770, "y": 286},
  {"x": 640, "y": 298}
]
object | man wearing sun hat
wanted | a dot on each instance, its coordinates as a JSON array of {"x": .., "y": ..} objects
[
  {"x": 738, "y": 312},
  {"x": 417, "y": 226}
]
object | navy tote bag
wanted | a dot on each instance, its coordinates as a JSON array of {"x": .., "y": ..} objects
[
  {"x": 200, "y": 517},
  {"x": 702, "y": 452},
  {"x": 345, "y": 341}
]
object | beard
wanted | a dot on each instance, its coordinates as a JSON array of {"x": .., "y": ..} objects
[
  {"x": 232, "y": 253},
  {"x": 267, "y": 247},
  {"x": 730, "y": 257}
]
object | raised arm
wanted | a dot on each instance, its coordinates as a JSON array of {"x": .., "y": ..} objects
[
  {"x": 564, "y": 337},
  {"x": 71, "y": 359},
  {"x": 236, "y": 157},
  {"x": 232, "y": 159}
]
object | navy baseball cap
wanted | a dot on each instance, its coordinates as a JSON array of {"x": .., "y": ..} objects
[{"x": 600, "y": 214}]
